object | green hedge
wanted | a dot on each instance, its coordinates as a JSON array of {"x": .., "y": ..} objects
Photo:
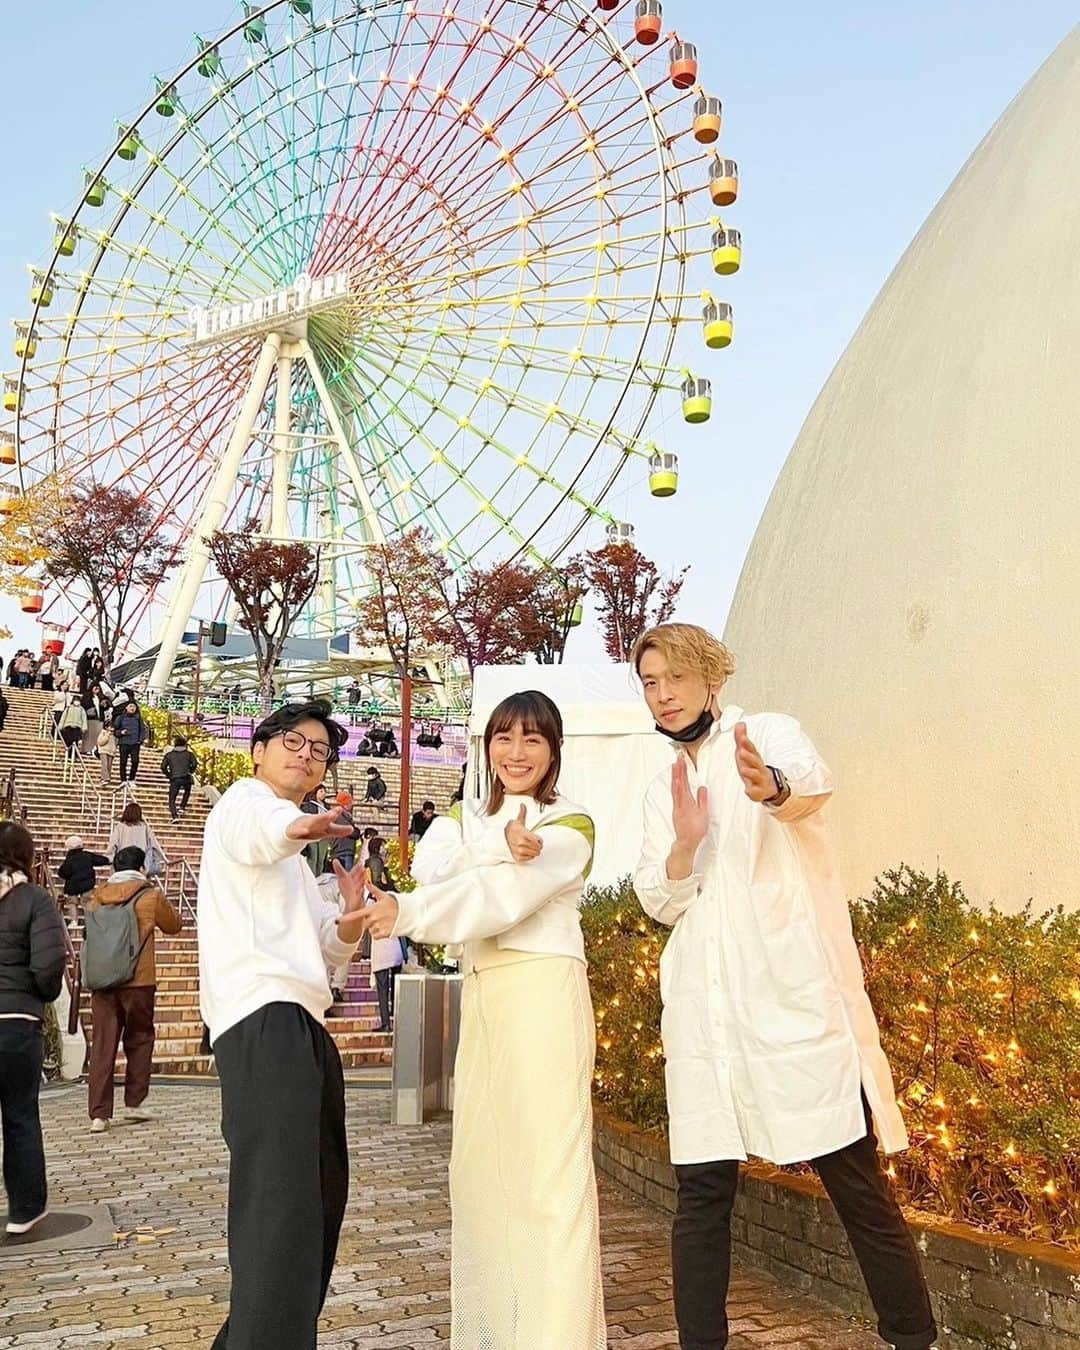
[{"x": 980, "y": 1017}]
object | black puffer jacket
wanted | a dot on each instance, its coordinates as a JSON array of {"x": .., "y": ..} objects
[
  {"x": 77, "y": 870},
  {"x": 31, "y": 949}
]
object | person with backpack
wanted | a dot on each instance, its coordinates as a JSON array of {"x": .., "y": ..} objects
[
  {"x": 179, "y": 766},
  {"x": 119, "y": 967},
  {"x": 32, "y": 956}
]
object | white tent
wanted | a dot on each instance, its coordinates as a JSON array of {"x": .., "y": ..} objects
[{"x": 610, "y": 749}]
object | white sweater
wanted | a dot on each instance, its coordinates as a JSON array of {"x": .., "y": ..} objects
[
  {"x": 265, "y": 935},
  {"x": 471, "y": 888}
]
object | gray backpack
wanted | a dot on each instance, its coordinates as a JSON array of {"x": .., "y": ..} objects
[{"x": 111, "y": 948}]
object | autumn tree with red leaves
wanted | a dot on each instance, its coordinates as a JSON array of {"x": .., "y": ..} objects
[
  {"x": 549, "y": 614},
  {"x": 271, "y": 583},
  {"x": 629, "y": 591},
  {"x": 109, "y": 541},
  {"x": 405, "y": 609}
]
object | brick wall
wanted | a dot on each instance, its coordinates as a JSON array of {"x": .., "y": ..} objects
[{"x": 988, "y": 1292}]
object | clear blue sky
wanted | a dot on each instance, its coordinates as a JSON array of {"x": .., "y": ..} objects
[{"x": 848, "y": 121}]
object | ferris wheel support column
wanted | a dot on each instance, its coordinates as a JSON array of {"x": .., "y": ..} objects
[
  {"x": 279, "y": 509},
  {"x": 213, "y": 513},
  {"x": 352, "y": 466}
]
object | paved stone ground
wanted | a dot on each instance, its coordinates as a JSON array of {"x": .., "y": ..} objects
[{"x": 391, "y": 1285}]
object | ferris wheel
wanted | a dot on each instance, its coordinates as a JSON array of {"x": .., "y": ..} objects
[{"x": 360, "y": 267}]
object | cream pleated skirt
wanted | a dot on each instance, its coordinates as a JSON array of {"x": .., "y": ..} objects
[{"x": 525, "y": 1245}]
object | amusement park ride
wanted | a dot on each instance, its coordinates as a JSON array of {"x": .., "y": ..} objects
[{"x": 362, "y": 266}]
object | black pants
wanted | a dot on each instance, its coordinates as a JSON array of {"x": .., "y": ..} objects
[
  {"x": 384, "y": 986},
  {"x": 129, "y": 754},
  {"x": 22, "y": 1050},
  {"x": 283, "y": 1119},
  {"x": 876, "y": 1229},
  {"x": 179, "y": 787}
]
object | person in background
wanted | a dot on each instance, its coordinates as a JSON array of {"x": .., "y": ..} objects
[
  {"x": 96, "y": 711},
  {"x": 77, "y": 869},
  {"x": 365, "y": 747},
  {"x": 131, "y": 734},
  {"x": 343, "y": 850},
  {"x": 4, "y": 707},
  {"x": 421, "y": 820},
  {"x": 48, "y": 669},
  {"x": 352, "y": 697},
  {"x": 84, "y": 667},
  {"x": 106, "y": 748},
  {"x": 73, "y": 724},
  {"x": 32, "y": 958},
  {"x": 459, "y": 791},
  {"x": 131, "y": 829},
  {"x": 126, "y": 1011},
  {"x": 25, "y": 666},
  {"x": 317, "y": 853},
  {"x": 60, "y": 699},
  {"x": 179, "y": 766},
  {"x": 387, "y": 954},
  {"x": 376, "y": 785}
]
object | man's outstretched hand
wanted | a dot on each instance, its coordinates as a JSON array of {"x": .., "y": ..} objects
[
  {"x": 323, "y": 825},
  {"x": 353, "y": 887}
]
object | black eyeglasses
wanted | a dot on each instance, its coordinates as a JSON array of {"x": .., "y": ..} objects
[{"x": 296, "y": 740}]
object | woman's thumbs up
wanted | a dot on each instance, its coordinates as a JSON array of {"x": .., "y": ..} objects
[{"x": 523, "y": 844}]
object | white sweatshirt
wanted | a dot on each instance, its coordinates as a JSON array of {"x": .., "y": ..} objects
[{"x": 265, "y": 935}]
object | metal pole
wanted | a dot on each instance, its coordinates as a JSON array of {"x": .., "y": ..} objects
[
  {"x": 198, "y": 674},
  {"x": 406, "y": 760},
  {"x": 215, "y": 505},
  {"x": 279, "y": 499}
]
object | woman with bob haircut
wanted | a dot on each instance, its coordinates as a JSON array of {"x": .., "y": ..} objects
[{"x": 504, "y": 876}]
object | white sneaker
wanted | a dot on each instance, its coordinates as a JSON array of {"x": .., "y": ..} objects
[
  {"x": 25, "y": 1227},
  {"x": 98, "y": 1126}
]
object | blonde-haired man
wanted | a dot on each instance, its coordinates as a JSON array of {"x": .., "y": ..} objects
[{"x": 771, "y": 1044}]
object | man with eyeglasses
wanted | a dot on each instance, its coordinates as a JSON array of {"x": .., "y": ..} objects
[{"x": 265, "y": 943}]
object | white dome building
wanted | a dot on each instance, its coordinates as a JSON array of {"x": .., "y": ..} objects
[{"x": 912, "y": 593}]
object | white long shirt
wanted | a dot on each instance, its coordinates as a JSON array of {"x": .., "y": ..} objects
[
  {"x": 473, "y": 889},
  {"x": 265, "y": 934},
  {"x": 767, "y": 1029}
]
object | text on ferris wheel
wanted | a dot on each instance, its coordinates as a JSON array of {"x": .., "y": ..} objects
[{"x": 279, "y": 310}]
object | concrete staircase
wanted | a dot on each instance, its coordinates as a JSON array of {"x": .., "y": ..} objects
[{"x": 56, "y": 809}]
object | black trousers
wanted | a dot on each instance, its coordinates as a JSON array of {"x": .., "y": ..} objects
[
  {"x": 22, "y": 1051},
  {"x": 179, "y": 787},
  {"x": 384, "y": 987},
  {"x": 283, "y": 1119},
  {"x": 129, "y": 754},
  {"x": 879, "y": 1236}
]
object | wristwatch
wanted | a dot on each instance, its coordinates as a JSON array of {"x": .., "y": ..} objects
[{"x": 783, "y": 788}]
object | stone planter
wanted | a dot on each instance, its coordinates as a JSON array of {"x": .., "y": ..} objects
[{"x": 995, "y": 1293}]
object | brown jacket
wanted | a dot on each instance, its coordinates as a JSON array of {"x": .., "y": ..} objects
[{"x": 152, "y": 911}]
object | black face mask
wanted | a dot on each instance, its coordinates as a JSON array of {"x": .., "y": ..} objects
[{"x": 694, "y": 731}]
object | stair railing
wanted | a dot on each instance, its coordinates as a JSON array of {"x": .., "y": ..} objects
[
  {"x": 187, "y": 886},
  {"x": 75, "y": 768},
  {"x": 43, "y": 877}
]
